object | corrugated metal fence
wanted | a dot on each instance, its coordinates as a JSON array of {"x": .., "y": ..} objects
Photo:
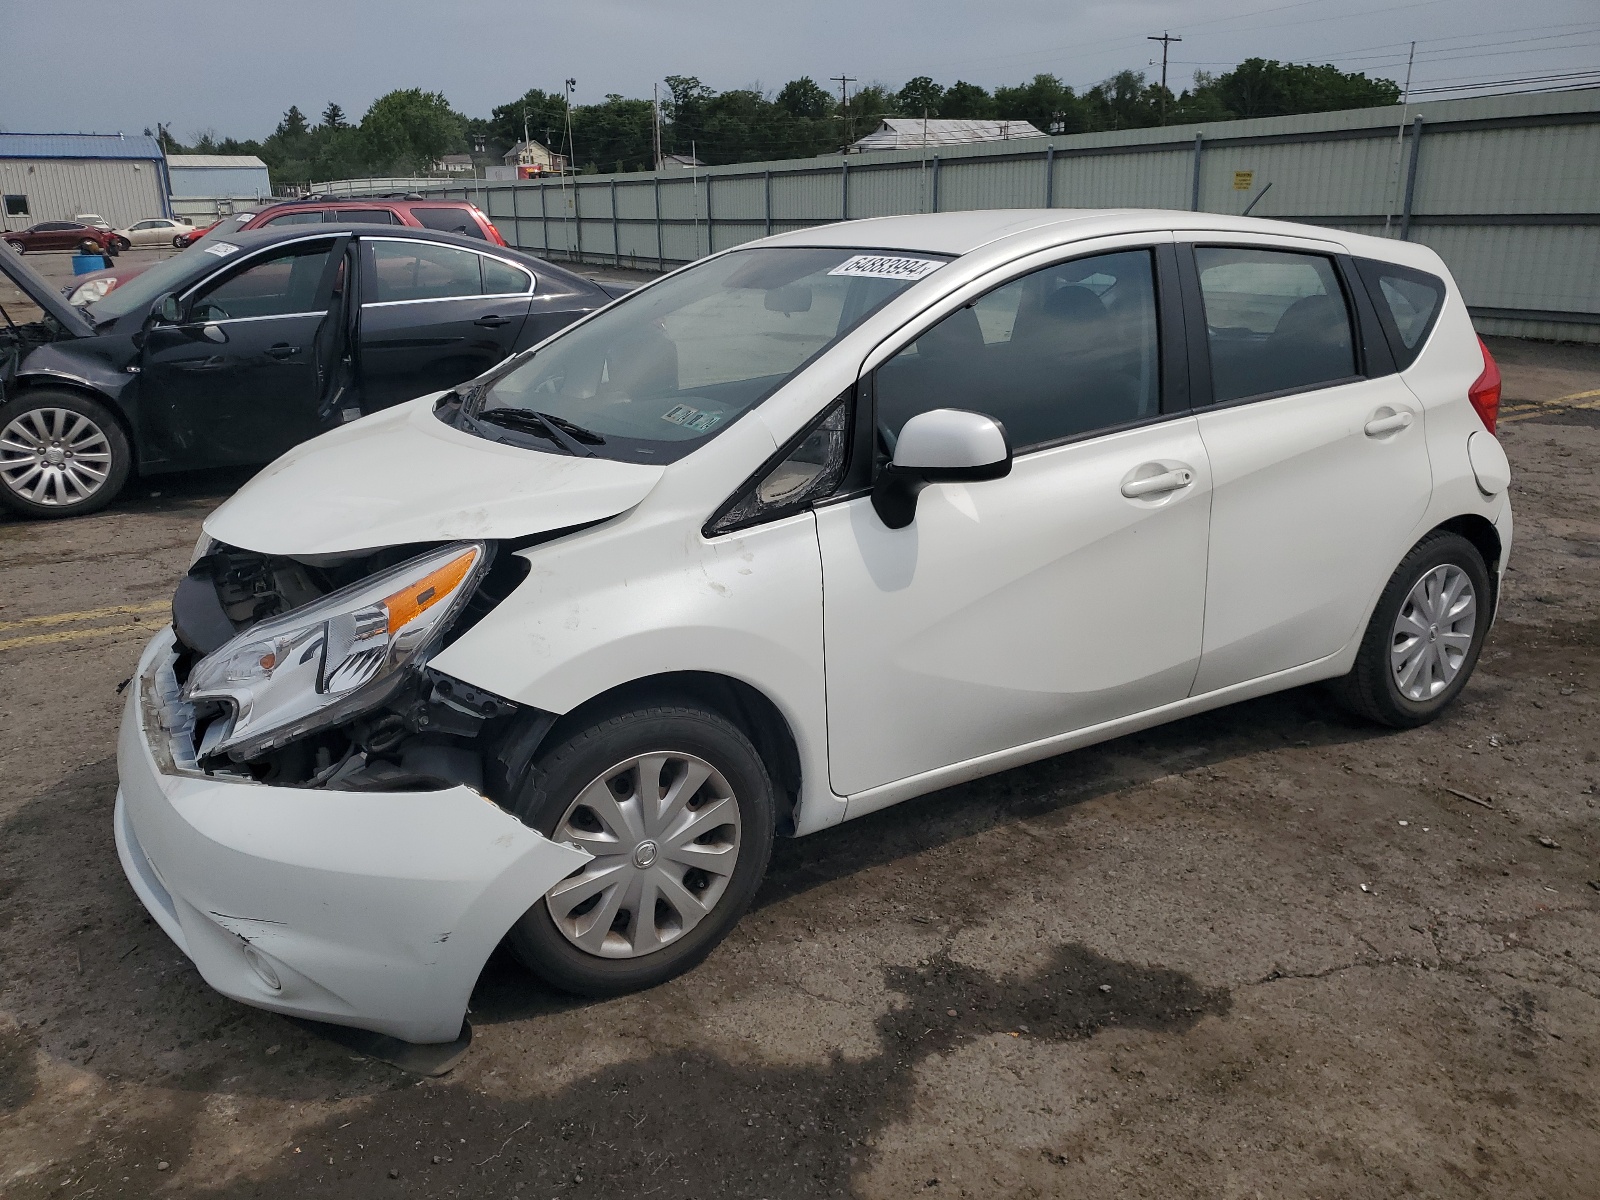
[{"x": 1505, "y": 188}]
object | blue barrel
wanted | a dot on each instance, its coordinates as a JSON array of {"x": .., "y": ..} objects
[{"x": 82, "y": 264}]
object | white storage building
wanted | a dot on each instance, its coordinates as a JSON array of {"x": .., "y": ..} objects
[{"x": 56, "y": 176}]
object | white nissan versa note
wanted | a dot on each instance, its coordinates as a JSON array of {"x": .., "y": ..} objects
[{"x": 808, "y": 528}]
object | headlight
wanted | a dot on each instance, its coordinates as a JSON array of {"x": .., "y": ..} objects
[
  {"x": 327, "y": 661},
  {"x": 95, "y": 289}
]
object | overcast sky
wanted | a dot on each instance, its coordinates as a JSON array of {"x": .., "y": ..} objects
[{"x": 108, "y": 65}]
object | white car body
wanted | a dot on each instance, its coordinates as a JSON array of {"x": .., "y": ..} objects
[
  {"x": 153, "y": 231},
  {"x": 1012, "y": 620}
]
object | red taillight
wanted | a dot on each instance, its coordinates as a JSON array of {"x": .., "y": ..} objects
[{"x": 1485, "y": 390}]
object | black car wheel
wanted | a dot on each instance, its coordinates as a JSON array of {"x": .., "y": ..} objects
[
  {"x": 122, "y": 243},
  {"x": 61, "y": 455},
  {"x": 18, "y": 247},
  {"x": 676, "y": 808},
  {"x": 180, "y": 241},
  {"x": 1424, "y": 637}
]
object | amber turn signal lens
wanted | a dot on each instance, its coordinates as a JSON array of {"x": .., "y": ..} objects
[{"x": 405, "y": 605}]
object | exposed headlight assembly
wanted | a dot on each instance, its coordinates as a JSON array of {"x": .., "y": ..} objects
[
  {"x": 95, "y": 289},
  {"x": 334, "y": 658}
]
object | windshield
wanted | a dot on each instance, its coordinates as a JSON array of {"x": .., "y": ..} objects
[
  {"x": 165, "y": 276},
  {"x": 678, "y": 362}
]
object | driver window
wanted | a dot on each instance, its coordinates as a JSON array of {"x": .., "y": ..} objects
[
  {"x": 277, "y": 285},
  {"x": 1065, "y": 351}
]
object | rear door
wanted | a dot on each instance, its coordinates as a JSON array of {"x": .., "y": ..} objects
[
  {"x": 241, "y": 378},
  {"x": 433, "y": 315},
  {"x": 1320, "y": 468}
]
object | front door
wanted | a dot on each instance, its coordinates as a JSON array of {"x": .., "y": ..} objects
[
  {"x": 432, "y": 316},
  {"x": 241, "y": 378},
  {"x": 1319, "y": 463},
  {"x": 1067, "y": 594}
]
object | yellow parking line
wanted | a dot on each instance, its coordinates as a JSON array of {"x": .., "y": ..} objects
[
  {"x": 72, "y": 635},
  {"x": 116, "y": 610},
  {"x": 1548, "y": 406}
]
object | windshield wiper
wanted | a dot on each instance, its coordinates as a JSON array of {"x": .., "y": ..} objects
[
  {"x": 587, "y": 436},
  {"x": 536, "y": 423}
]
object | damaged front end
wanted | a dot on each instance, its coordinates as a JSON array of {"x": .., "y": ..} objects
[
  {"x": 318, "y": 819},
  {"x": 312, "y": 672}
]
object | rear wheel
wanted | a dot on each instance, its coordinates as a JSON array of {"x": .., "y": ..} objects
[
  {"x": 122, "y": 243},
  {"x": 180, "y": 241},
  {"x": 676, "y": 809},
  {"x": 1425, "y": 635},
  {"x": 61, "y": 455}
]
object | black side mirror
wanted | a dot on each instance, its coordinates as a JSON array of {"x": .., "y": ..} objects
[
  {"x": 165, "y": 310},
  {"x": 945, "y": 445}
]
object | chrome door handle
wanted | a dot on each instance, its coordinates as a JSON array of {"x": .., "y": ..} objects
[
  {"x": 1155, "y": 485},
  {"x": 1378, "y": 426}
]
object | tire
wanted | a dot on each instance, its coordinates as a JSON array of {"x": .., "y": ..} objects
[
  {"x": 690, "y": 854},
  {"x": 122, "y": 244},
  {"x": 18, "y": 247},
  {"x": 91, "y": 453},
  {"x": 1425, "y": 635},
  {"x": 178, "y": 242}
]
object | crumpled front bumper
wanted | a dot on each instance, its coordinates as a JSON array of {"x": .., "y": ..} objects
[{"x": 376, "y": 910}]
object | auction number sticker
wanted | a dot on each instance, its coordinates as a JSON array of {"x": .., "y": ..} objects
[
  {"x": 691, "y": 418},
  {"x": 884, "y": 266},
  {"x": 222, "y": 249}
]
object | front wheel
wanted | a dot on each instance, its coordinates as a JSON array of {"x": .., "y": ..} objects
[
  {"x": 61, "y": 455},
  {"x": 122, "y": 243},
  {"x": 1425, "y": 635},
  {"x": 676, "y": 809}
]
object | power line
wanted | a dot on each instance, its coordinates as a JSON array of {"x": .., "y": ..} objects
[{"x": 1166, "y": 39}]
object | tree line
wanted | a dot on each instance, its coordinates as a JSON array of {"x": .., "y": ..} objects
[{"x": 406, "y": 131}]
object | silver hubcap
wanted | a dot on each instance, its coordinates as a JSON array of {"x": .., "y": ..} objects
[
  {"x": 1433, "y": 632},
  {"x": 664, "y": 832},
  {"x": 54, "y": 456}
]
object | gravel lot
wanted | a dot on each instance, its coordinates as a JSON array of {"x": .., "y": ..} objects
[{"x": 1266, "y": 951}]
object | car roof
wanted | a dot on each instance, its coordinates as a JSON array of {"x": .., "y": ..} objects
[
  {"x": 961, "y": 233},
  {"x": 256, "y": 239}
]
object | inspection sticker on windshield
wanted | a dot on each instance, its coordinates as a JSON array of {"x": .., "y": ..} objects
[
  {"x": 222, "y": 249},
  {"x": 883, "y": 266},
  {"x": 691, "y": 418}
]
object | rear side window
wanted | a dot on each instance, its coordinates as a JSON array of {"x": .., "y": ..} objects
[
  {"x": 1408, "y": 304},
  {"x": 315, "y": 217},
  {"x": 1276, "y": 321},
  {"x": 422, "y": 271},
  {"x": 366, "y": 216},
  {"x": 448, "y": 220}
]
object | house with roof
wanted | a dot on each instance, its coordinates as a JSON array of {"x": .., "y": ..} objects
[{"x": 57, "y": 176}]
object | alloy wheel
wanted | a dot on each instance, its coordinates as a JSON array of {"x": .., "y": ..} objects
[
  {"x": 1432, "y": 635},
  {"x": 664, "y": 832},
  {"x": 54, "y": 457}
]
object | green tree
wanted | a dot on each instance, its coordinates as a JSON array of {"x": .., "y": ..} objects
[
  {"x": 1260, "y": 87},
  {"x": 966, "y": 101},
  {"x": 293, "y": 123},
  {"x": 333, "y": 117},
  {"x": 805, "y": 98},
  {"x": 920, "y": 96},
  {"x": 406, "y": 130},
  {"x": 1125, "y": 101},
  {"x": 1045, "y": 102}
]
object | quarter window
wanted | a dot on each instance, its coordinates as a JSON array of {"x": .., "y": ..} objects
[
  {"x": 421, "y": 271},
  {"x": 448, "y": 220},
  {"x": 503, "y": 279},
  {"x": 1275, "y": 321},
  {"x": 277, "y": 285},
  {"x": 1059, "y": 353},
  {"x": 1409, "y": 299}
]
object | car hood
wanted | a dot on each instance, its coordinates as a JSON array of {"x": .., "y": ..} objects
[
  {"x": 404, "y": 476},
  {"x": 37, "y": 288}
]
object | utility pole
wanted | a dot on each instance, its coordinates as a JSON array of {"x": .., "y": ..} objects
[
  {"x": 844, "y": 82},
  {"x": 1400, "y": 141},
  {"x": 1166, "y": 39},
  {"x": 655, "y": 123},
  {"x": 571, "y": 86}
]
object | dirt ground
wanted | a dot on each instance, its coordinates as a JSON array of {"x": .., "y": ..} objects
[{"x": 1269, "y": 951}]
